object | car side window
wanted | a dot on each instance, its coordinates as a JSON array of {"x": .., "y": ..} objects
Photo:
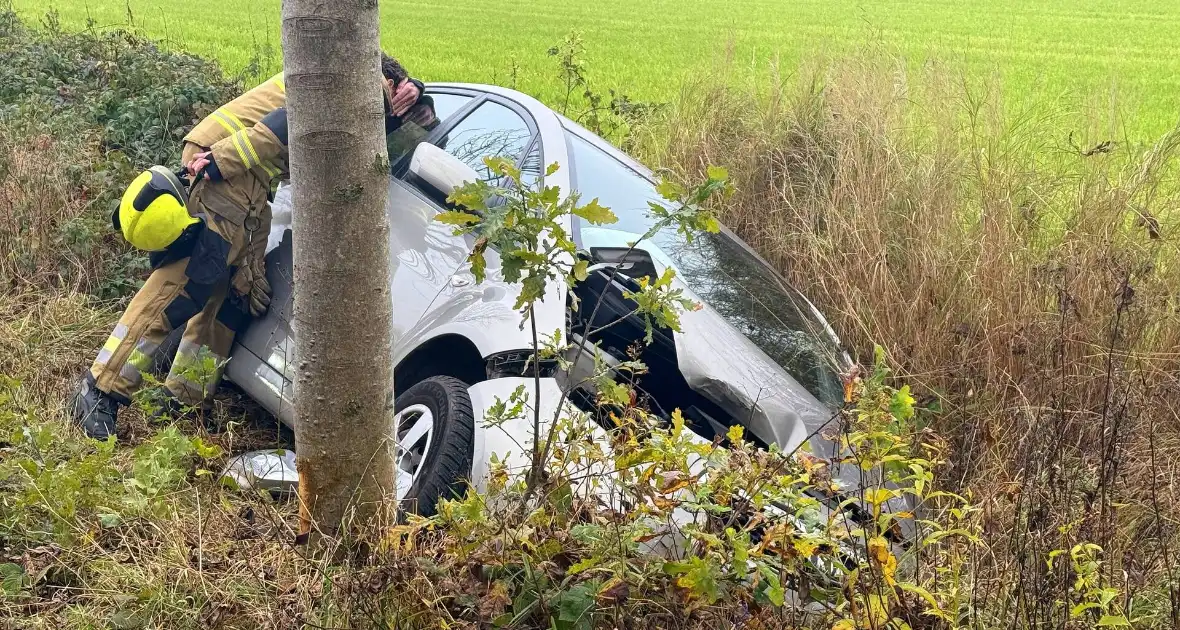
[
  {"x": 492, "y": 130},
  {"x": 446, "y": 105},
  {"x": 432, "y": 110}
]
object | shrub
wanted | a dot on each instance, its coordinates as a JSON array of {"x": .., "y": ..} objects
[{"x": 80, "y": 115}]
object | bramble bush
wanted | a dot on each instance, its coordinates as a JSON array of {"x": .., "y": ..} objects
[{"x": 80, "y": 115}]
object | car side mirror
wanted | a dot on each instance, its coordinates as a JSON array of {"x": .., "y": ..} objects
[
  {"x": 438, "y": 171},
  {"x": 634, "y": 263}
]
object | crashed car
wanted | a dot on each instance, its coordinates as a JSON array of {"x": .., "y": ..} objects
[{"x": 757, "y": 353}]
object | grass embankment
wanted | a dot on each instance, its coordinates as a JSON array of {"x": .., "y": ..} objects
[
  {"x": 1027, "y": 287},
  {"x": 1125, "y": 51}
]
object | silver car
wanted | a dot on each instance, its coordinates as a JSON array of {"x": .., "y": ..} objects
[{"x": 757, "y": 353}]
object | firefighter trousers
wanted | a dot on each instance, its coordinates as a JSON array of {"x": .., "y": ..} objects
[{"x": 193, "y": 291}]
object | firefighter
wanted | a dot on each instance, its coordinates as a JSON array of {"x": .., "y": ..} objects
[{"x": 208, "y": 247}]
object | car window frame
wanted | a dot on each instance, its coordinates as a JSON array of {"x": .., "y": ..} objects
[{"x": 402, "y": 167}]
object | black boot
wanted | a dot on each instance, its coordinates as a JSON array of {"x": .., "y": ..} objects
[{"x": 95, "y": 410}]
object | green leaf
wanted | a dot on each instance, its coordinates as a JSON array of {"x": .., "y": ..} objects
[
  {"x": 776, "y": 593},
  {"x": 926, "y": 595},
  {"x": 670, "y": 190},
  {"x": 1110, "y": 621},
  {"x": 582, "y": 565},
  {"x": 125, "y": 620},
  {"x": 455, "y": 217},
  {"x": 14, "y": 578},
  {"x": 581, "y": 270},
  {"x": 553, "y": 168},
  {"x": 1076, "y": 611},
  {"x": 479, "y": 266},
  {"x": 563, "y": 497},
  {"x": 697, "y": 576},
  {"x": 531, "y": 290},
  {"x": 207, "y": 451},
  {"x": 717, "y": 173},
  {"x": 595, "y": 213},
  {"x": 902, "y": 405},
  {"x": 575, "y": 604},
  {"x": 109, "y": 520}
]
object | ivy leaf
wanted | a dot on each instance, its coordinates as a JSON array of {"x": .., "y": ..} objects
[
  {"x": 456, "y": 217},
  {"x": 596, "y": 213}
]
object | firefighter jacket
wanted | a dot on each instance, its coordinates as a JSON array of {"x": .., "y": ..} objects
[{"x": 248, "y": 135}]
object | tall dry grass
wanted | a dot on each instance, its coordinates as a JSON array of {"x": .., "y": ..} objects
[{"x": 1025, "y": 280}]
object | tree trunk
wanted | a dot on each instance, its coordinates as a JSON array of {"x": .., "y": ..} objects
[{"x": 343, "y": 310}]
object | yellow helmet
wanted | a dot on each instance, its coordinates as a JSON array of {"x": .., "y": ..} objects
[{"x": 153, "y": 212}]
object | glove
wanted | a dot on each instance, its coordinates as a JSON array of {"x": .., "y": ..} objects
[{"x": 249, "y": 280}]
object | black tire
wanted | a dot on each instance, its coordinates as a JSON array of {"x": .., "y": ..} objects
[{"x": 447, "y": 466}]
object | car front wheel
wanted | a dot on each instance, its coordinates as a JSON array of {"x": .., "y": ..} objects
[{"x": 435, "y": 430}]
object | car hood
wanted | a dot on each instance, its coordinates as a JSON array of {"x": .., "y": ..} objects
[
  {"x": 727, "y": 368},
  {"x": 721, "y": 364}
]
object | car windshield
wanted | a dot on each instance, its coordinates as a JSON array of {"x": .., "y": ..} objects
[{"x": 749, "y": 295}]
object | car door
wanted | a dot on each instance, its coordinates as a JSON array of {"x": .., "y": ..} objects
[
  {"x": 495, "y": 127},
  {"x": 263, "y": 357},
  {"x": 424, "y": 253}
]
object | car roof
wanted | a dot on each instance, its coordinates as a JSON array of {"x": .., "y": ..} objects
[{"x": 521, "y": 98}]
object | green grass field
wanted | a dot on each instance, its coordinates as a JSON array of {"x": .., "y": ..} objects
[{"x": 1080, "y": 50}]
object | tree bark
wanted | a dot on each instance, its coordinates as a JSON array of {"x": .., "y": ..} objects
[{"x": 343, "y": 310}]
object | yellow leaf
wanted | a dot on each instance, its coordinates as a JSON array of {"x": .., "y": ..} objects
[
  {"x": 673, "y": 481},
  {"x": 885, "y": 560},
  {"x": 877, "y": 613},
  {"x": 877, "y": 496},
  {"x": 735, "y": 433},
  {"x": 805, "y": 547},
  {"x": 664, "y": 504},
  {"x": 845, "y": 624},
  {"x": 677, "y": 424}
]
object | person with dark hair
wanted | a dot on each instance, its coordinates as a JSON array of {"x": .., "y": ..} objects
[{"x": 209, "y": 271}]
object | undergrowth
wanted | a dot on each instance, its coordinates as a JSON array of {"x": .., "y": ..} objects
[{"x": 1021, "y": 267}]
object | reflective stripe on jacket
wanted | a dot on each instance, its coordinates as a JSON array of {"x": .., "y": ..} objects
[{"x": 239, "y": 138}]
